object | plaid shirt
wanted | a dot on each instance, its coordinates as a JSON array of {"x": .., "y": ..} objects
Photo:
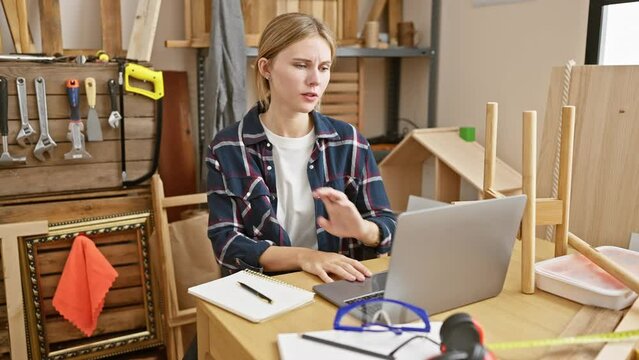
[{"x": 242, "y": 194}]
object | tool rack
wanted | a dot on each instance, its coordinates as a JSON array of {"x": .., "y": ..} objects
[
  {"x": 70, "y": 191},
  {"x": 57, "y": 175}
]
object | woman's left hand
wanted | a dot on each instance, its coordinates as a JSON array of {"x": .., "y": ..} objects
[{"x": 345, "y": 220}]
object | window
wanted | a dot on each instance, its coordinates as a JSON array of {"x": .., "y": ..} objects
[{"x": 613, "y": 31}]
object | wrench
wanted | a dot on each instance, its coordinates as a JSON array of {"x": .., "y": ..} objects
[
  {"x": 115, "y": 117},
  {"x": 45, "y": 143},
  {"x": 26, "y": 135}
]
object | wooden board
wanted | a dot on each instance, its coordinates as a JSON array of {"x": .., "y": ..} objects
[
  {"x": 177, "y": 158},
  {"x": 14, "y": 321},
  {"x": 394, "y": 17},
  {"x": 623, "y": 350},
  {"x": 51, "y": 27},
  {"x": 341, "y": 99},
  {"x": 144, "y": 25},
  {"x": 605, "y": 202},
  {"x": 111, "y": 17},
  {"x": 350, "y": 12},
  {"x": 60, "y": 175}
]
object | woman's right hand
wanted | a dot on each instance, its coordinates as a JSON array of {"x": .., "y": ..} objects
[{"x": 322, "y": 263}]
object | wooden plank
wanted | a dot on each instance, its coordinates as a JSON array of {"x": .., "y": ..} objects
[
  {"x": 51, "y": 27},
  {"x": 342, "y": 87},
  {"x": 266, "y": 11},
  {"x": 111, "y": 18},
  {"x": 376, "y": 10},
  {"x": 118, "y": 254},
  {"x": 23, "y": 22},
  {"x": 447, "y": 183},
  {"x": 56, "y": 75},
  {"x": 114, "y": 298},
  {"x": 143, "y": 33},
  {"x": 58, "y": 107},
  {"x": 339, "y": 98},
  {"x": 623, "y": 350},
  {"x": 344, "y": 77},
  {"x": 9, "y": 233},
  {"x": 340, "y": 20},
  {"x": 177, "y": 163},
  {"x": 317, "y": 10},
  {"x": 128, "y": 276},
  {"x": 79, "y": 208},
  {"x": 529, "y": 183},
  {"x": 394, "y": 18},
  {"x": 250, "y": 16},
  {"x": 198, "y": 19},
  {"x": 11, "y": 13},
  {"x": 102, "y": 152},
  {"x": 101, "y": 240},
  {"x": 549, "y": 212},
  {"x": 123, "y": 319},
  {"x": 330, "y": 15},
  {"x": 338, "y": 109},
  {"x": 589, "y": 320},
  {"x": 51, "y": 179},
  {"x": 605, "y": 168},
  {"x": 306, "y": 7},
  {"x": 292, "y": 6}
]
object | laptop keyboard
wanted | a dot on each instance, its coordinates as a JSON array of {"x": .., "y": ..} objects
[{"x": 373, "y": 295}]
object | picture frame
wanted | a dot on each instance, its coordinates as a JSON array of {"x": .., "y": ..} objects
[{"x": 129, "y": 319}]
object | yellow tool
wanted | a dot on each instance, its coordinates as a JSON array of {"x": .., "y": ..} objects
[
  {"x": 143, "y": 73},
  {"x": 102, "y": 56}
]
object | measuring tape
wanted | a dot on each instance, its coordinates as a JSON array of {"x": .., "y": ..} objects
[{"x": 583, "y": 339}]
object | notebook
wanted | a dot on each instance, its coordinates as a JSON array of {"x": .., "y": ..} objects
[
  {"x": 292, "y": 346},
  {"x": 228, "y": 294}
]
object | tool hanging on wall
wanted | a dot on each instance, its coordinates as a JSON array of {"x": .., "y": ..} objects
[
  {"x": 75, "y": 135},
  {"x": 6, "y": 159},
  {"x": 26, "y": 135},
  {"x": 94, "y": 130},
  {"x": 114, "y": 117},
  {"x": 145, "y": 74},
  {"x": 45, "y": 144}
]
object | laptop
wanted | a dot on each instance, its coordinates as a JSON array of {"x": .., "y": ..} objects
[{"x": 442, "y": 257}]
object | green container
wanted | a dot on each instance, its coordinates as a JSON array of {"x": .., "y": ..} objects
[{"x": 467, "y": 133}]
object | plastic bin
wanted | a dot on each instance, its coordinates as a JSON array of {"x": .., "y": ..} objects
[{"x": 576, "y": 278}]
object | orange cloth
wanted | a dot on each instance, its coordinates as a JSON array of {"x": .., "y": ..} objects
[{"x": 85, "y": 281}]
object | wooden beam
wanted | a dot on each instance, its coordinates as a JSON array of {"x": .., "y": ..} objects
[
  {"x": 490, "y": 148},
  {"x": 51, "y": 27},
  {"x": 394, "y": 18},
  {"x": 11, "y": 13},
  {"x": 23, "y": 19},
  {"x": 350, "y": 12},
  {"x": 111, "y": 27},
  {"x": 9, "y": 234},
  {"x": 143, "y": 33},
  {"x": 565, "y": 177},
  {"x": 376, "y": 10},
  {"x": 529, "y": 178}
]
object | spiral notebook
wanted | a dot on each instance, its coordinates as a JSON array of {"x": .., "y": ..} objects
[{"x": 243, "y": 300}]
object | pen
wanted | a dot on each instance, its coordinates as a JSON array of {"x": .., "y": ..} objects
[
  {"x": 348, "y": 347},
  {"x": 255, "y": 292}
]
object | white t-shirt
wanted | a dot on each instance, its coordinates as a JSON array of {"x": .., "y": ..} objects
[{"x": 295, "y": 205}]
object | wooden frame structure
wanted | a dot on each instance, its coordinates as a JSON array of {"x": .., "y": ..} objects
[
  {"x": 545, "y": 211},
  {"x": 174, "y": 317},
  {"x": 129, "y": 319},
  {"x": 10, "y": 235}
]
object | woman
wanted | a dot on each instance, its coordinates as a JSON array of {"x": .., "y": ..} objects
[{"x": 290, "y": 188}]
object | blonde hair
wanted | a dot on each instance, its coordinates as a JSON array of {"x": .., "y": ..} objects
[{"x": 283, "y": 31}]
